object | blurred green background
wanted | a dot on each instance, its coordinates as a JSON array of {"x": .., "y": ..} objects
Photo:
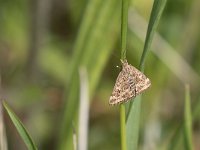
[{"x": 43, "y": 43}]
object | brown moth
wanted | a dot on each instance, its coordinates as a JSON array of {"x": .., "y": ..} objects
[{"x": 130, "y": 83}]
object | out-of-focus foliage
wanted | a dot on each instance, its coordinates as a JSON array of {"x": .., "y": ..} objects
[
  {"x": 44, "y": 43},
  {"x": 20, "y": 128}
]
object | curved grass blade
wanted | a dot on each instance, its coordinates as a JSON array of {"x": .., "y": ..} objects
[
  {"x": 158, "y": 7},
  {"x": 132, "y": 124},
  {"x": 162, "y": 49},
  {"x": 20, "y": 128}
]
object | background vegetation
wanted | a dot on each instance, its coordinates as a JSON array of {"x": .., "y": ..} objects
[{"x": 43, "y": 45}]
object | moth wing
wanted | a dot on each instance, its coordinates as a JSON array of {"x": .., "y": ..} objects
[
  {"x": 124, "y": 89},
  {"x": 142, "y": 82}
]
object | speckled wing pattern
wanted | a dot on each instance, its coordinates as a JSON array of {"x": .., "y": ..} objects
[{"x": 130, "y": 83}]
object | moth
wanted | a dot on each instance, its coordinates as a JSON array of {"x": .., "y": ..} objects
[{"x": 130, "y": 83}]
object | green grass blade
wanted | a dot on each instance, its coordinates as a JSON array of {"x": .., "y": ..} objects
[
  {"x": 84, "y": 30},
  {"x": 3, "y": 137},
  {"x": 188, "y": 120},
  {"x": 123, "y": 127},
  {"x": 176, "y": 140},
  {"x": 132, "y": 124},
  {"x": 161, "y": 49},
  {"x": 92, "y": 8},
  {"x": 20, "y": 128},
  {"x": 196, "y": 110},
  {"x": 158, "y": 7},
  {"x": 133, "y": 119},
  {"x": 124, "y": 22},
  {"x": 103, "y": 25}
]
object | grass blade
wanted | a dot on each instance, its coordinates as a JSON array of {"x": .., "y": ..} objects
[
  {"x": 163, "y": 50},
  {"x": 3, "y": 139},
  {"x": 124, "y": 24},
  {"x": 102, "y": 25},
  {"x": 176, "y": 139},
  {"x": 132, "y": 124},
  {"x": 186, "y": 126},
  {"x": 123, "y": 127},
  {"x": 83, "y": 32},
  {"x": 134, "y": 109},
  {"x": 83, "y": 110},
  {"x": 188, "y": 120},
  {"x": 20, "y": 128},
  {"x": 156, "y": 13},
  {"x": 74, "y": 138}
]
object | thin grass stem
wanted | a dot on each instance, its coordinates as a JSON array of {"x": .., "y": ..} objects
[
  {"x": 124, "y": 23},
  {"x": 123, "y": 126},
  {"x": 188, "y": 119}
]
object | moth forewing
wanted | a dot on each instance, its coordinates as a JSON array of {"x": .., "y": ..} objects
[{"x": 130, "y": 83}]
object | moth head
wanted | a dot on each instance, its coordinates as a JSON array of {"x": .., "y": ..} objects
[{"x": 124, "y": 62}]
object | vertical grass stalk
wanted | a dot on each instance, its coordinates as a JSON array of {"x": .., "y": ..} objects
[
  {"x": 188, "y": 120},
  {"x": 124, "y": 22},
  {"x": 123, "y": 126},
  {"x": 3, "y": 139}
]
